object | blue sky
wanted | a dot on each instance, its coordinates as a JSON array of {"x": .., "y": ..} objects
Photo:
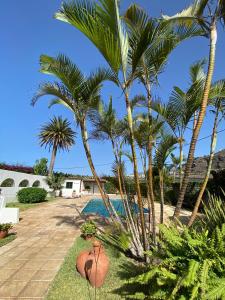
[{"x": 28, "y": 30}]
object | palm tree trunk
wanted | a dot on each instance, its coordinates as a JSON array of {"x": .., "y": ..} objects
[
  {"x": 136, "y": 177},
  {"x": 150, "y": 168},
  {"x": 52, "y": 162},
  {"x": 161, "y": 183},
  {"x": 105, "y": 198},
  {"x": 148, "y": 190},
  {"x": 181, "y": 160},
  {"x": 204, "y": 184},
  {"x": 213, "y": 40}
]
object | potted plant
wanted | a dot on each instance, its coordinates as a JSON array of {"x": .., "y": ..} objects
[
  {"x": 88, "y": 230},
  {"x": 4, "y": 228}
]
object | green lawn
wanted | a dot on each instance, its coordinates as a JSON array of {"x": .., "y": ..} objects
[
  {"x": 7, "y": 239},
  {"x": 24, "y": 206},
  {"x": 69, "y": 285}
]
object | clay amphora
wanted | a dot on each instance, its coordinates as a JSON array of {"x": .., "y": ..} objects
[
  {"x": 80, "y": 262},
  {"x": 97, "y": 265}
]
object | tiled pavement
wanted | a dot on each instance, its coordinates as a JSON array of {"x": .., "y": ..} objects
[
  {"x": 31, "y": 261},
  {"x": 44, "y": 235}
]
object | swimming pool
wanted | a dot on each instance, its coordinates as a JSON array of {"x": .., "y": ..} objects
[{"x": 96, "y": 206}]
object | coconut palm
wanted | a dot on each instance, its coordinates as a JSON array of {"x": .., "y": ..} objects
[
  {"x": 56, "y": 135},
  {"x": 205, "y": 14},
  {"x": 219, "y": 106},
  {"x": 163, "y": 150},
  {"x": 80, "y": 95}
]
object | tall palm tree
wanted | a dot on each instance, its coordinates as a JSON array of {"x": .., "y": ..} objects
[
  {"x": 219, "y": 107},
  {"x": 57, "y": 135},
  {"x": 163, "y": 150},
  {"x": 102, "y": 24},
  {"x": 80, "y": 95},
  {"x": 160, "y": 40},
  {"x": 206, "y": 14}
]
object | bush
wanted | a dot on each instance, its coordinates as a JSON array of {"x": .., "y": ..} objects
[
  {"x": 88, "y": 229},
  {"x": 6, "y": 226},
  {"x": 32, "y": 195},
  {"x": 189, "y": 265}
]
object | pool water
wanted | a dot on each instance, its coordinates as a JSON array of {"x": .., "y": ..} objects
[{"x": 96, "y": 206}]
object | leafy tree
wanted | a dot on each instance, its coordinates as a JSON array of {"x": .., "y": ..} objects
[
  {"x": 57, "y": 135},
  {"x": 41, "y": 166},
  {"x": 55, "y": 181}
]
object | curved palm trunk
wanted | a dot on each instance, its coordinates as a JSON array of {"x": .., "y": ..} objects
[
  {"x": 204, "y": 184},
  {"x": 213, "y": 39},
  {"x": 161, "y": 183},
  {"x": 136, "y": 177},
  {"x": 105, "y": 198},
  {"x": 52, "y": 162}
]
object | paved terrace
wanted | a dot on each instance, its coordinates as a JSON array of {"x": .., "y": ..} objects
[{"x": 29, "y": 263}]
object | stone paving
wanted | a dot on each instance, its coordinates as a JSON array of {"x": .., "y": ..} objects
[{"x": 44, "y": 235}]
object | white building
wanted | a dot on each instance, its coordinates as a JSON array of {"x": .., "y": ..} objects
[
  {"x": 80, "y": 186},
  {"x": 11, "y": 182}
]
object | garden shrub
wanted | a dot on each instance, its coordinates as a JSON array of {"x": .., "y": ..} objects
[
  {"x": 32, "y": 195},
  {"x": 188, "y": 265}
]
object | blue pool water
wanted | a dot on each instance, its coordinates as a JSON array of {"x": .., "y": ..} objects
[{"x": 96, "y": 206}]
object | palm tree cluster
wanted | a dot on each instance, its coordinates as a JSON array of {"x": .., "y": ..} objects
[{"x": 136, "y": 48}]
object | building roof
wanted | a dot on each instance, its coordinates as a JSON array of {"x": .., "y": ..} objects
[{"x": 84, "y": 178}]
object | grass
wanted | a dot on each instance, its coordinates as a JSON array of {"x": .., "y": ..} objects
[
  {"x": 68, "y": 284},
  {"x": 25, "y": 206},
  {"x": 7, "y": 239}
]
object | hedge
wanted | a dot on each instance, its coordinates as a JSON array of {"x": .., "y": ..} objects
[{"x": 32, "y": 195}]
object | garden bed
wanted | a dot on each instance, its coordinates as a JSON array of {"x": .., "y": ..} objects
[
  {"x": 68, "y": 284},
  {"x": 7, "y": 239}
]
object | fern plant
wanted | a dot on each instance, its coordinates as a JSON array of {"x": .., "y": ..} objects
[{"x": 188, "y": 265}]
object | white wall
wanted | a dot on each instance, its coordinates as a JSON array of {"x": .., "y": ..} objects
[
  {"x": 10, "y": 192},
  {"x": 77, "y": 186}
]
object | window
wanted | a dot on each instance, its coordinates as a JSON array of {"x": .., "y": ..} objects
[{"x": 69, "y": 185}]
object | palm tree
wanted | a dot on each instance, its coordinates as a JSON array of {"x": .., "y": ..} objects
[
  {"x": 159, "y": 40},
  {"x": 205, "y": 14},
  {"x": 108, "y": 127},
  {"x": 175, "y": 164},
  {"x": 163, "y": 150},
  {"x": 57, "y": 135},
  {"x": 80, "y": 95},
  {"x": 219, "y": 107},
  {"x": 182, "y": 106},
  {"x": 102, "y": 24},
  {"x": 142, "y": 131}
]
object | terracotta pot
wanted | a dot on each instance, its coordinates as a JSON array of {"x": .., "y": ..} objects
[
  {"x": 97, "y": 265},
  {"x": 80, "y": 262},
  {"x": 3, "y": 234}
]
